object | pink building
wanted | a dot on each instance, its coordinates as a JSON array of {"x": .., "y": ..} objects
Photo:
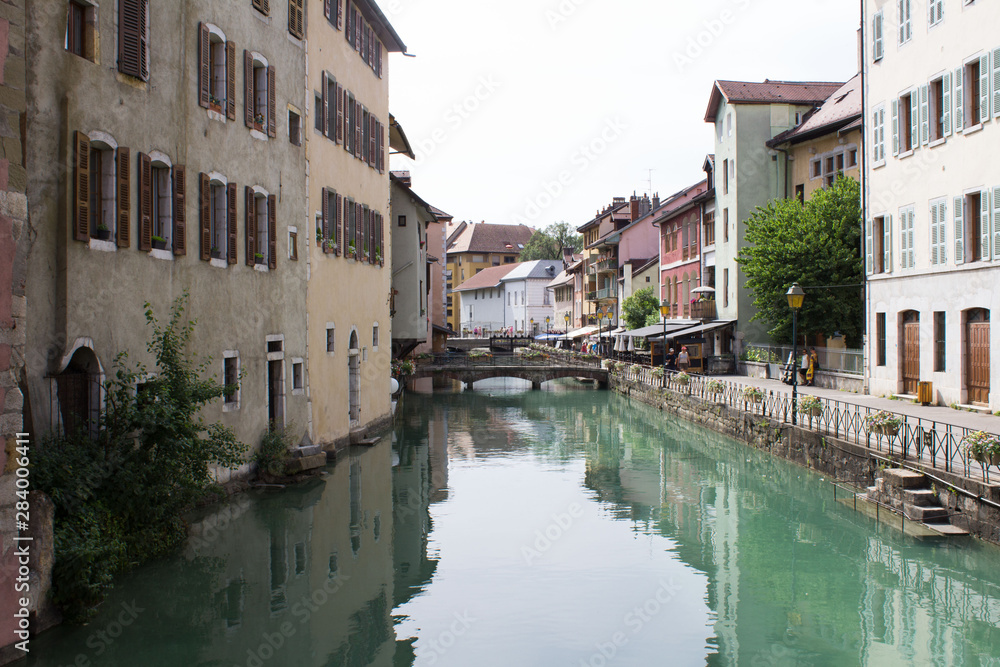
[{"x": 680, "y": 221}]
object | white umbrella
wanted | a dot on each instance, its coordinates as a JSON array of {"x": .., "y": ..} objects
[
  {"x": 619, "y": 343},
  {"x": 703, "y": 290},
  {"x": 631, "y": 344}
]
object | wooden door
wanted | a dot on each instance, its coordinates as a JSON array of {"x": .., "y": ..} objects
[
  {"x": 978, "y": 356},
  {"x": 911, "y": 352}
]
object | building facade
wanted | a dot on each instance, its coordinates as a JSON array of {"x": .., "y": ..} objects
[
  {"x": 932, "y": 198},
  {"x": 679, "y": 222},
  {"x": 410, "y": 305}
]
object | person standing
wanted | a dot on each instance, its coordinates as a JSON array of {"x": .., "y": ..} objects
[
  {"x": 671, "y": 360},
  {"x": 683, "y": 359}
]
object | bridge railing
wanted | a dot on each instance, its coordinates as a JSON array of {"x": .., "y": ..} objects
[
  {"x": 931, "y": 442},
  {"x": 542, "y": 360}
]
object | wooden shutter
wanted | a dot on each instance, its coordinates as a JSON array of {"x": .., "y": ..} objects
[
  {"x": 325, "y": 220},
  {"x": 996, "y": 223},
  {"x": 204, "y": 65},
  {"x": 869, "y": 248},
  {"x": 895, "y": 127},
  {"x": 145, "y": 202},
  {"x": 340, "y": 114},
  {"x": 381, "y": 239},
  {"x": 934, "y": 235},
  {"x": 946, "y": 103},
  {"x": 877, "y": 36},
  {"x": 272, "y": 231},
  {"x": 358, "y": 233},
  {"x": 231, "y": 80},
  {"x": 251, "y": 225},
  {"x": 378, "y": 56},
  {"x": 914, "y": 120},
  {"x": 123, "y": 197},
  {"x": 324, "y": 110},
  {"x": 132, "y": 38},
  {"x": 248, "y": 88},
  {"x": 295, "y": 18},
  {"x": 358, "y": 24},
  {"x": 959, "y": 231},
  {"x": 925, "y": 128},
  {"x": 959, "y": 117},
  {"x": 272, "y": 107},
  {"x": 205, "y": 214},
  {"x": 996, "y": 82},
  {"x": 180, "y": 213},
  {"x": 348, "y": 207},
  {"x": 349, "y": 32},
  {"x": 911, "y": 251},
  {"x": 357, "y": 129},
  {"x": 231, "y": 197},
  {"x": 340, "y": 14},
  {"x": 336, "y": 223},
  {"x": 984, "y": 223},
  {"x": 984, "y": 88},
  {"x": 81, "y": 187},
  {"x": 372, "y": 141},
  {"x": 887, "y": 244},
  {"x": 326, "y": 8},
  {"x": 381, "y": 148}
]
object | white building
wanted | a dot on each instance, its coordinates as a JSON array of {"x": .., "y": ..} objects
[
  {"x": 509, "y": 298},
  {"x": 932, "y": 196}
]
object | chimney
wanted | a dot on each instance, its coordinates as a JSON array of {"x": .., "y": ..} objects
[
  {"x": 567, "y": 256},
  {"x": 656, "y": 201},
  {"x": 633, "y": 214}
]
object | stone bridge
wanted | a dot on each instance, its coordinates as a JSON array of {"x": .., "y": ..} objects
[{"x": 469, "y": 371}]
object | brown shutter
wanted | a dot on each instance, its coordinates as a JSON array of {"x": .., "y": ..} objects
[
  {"x": 337, "y": 225},
  {"x": 381, "y": 239},
  {"x": 204, "y": 62},
  {"x": 378, "y": 56},
  {"x": 251, "y": 226},
  {"x": 326, "y": 220},
  {"x": 324, "y": 103},
  {"x": 272, "y": 107},
  {"x": 372, "y": 141},
  {"x": 231, "y": 196},
  {"x": 340, "y": 114},
  {"x": 295, "y": 18},
  {"x": 248, "y": 87},
  {"x": 340, "y": 14},
  {"x": 358, "y": 241},
  {"x": 231, "y": 80},
  {"x": 326, "y": 8},
  {"x": 205, "y": 215},
  {"x": 357, "y": 30},
  {"x": 180, "y": 213},
  {"x": 145, "y": 202},
  {"x": 272, "y": 231},
  {"x": 357, "y": 129},
  {"x": 132, "y": 38},
  {"x": 81, "y": 188},
  {"x": 123, "y": 197},
  {"x": 381, "y": 148}
]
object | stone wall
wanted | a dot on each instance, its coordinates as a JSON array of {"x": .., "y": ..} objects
[{"x": 840, "y": 460}]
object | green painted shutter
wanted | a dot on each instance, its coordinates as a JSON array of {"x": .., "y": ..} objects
[
  {"x": 925, "y": 128},
  {"x": 914, "y": 120},
  {"x": 996, "y": 223},
  {"x": 959, "y": 101},
  {"x": 934, "y": 234},
  {"x": 887, "y": 244},
  {"x": 996, "y": 82},
  {"x": 984, "y": 88},
  {"x": 946, "y": 103},
  {"x": 911, "y": 243},
  {"x": 895, "y": 127},
  {"x": 877, "y": 27},
  {"x": 984, "y": 223},
  {"x": 943, "y": 232},
  {"x": 959, "y": 232}
]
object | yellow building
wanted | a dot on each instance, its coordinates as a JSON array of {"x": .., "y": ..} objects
[
  {"x": 348, "y": 246},
  {"x": 827, "y": 143},
  {"x": 474, "y": 247}
]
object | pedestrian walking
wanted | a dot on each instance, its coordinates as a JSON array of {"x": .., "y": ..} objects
[
  {"x": 683, "y": 360},
  {"x": 671, "y": 360}
]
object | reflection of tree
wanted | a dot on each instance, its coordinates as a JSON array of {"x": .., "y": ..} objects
[{"x": 370, "y": 631}]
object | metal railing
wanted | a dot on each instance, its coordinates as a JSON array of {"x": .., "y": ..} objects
[
  {"x": 917, "y": 440},
  {"x": 507, "y": 360},
  {"x": 838, "y": 360}
]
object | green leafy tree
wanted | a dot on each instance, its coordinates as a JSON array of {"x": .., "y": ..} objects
[
  {"x": 815, "y": 244},
  {"x": 548, "y": 243},
  {"x": 641, "y": 308},
  {"x": 120, "y": 488}
]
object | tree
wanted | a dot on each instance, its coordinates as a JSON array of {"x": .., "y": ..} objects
[
  {"x": 640, "y": 308},
  {"x": 548, "y": 243},
  {"x": 815, "y": 244}
]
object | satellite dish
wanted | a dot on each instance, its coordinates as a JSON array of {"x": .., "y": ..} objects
[{"x": 393, "y": 385}]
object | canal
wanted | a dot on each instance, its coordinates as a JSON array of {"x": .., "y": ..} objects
[{"x": 567, "y": 526}]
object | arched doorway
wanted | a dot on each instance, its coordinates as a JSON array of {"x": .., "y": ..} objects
[
  {"x": 78, "y": 391},
  {"x": 977, "y": 355},
  {"x": 354, "y": 379},
  {"x": 910, "y": 322}
]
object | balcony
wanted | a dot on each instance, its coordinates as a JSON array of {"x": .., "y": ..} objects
[
  {"x": 605, "y": 266},
  {"x": 703, "y": 310}
]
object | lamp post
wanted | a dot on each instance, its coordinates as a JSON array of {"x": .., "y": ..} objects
[
  {"x": 531, "y": 327},
  {"x": 796, "y": 295},
  {"x": 566, "y": 317},
  {"x": 600, "y": 316},
  {"x": 547, "y": 327},
  {"x": 664, "y": 311}
]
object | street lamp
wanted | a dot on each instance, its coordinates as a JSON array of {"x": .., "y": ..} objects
[
  {"x": 600, "y": 316},
  {"x": 664, "y": 311},
  {"x": 566, "y": 317},
  {"x": 531, "y": 324},
  {"x": 796, "y": 295},
  {"x": 547, "y": 320}
]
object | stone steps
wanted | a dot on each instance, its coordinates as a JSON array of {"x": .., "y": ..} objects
[{"x": 907, "y": 492}]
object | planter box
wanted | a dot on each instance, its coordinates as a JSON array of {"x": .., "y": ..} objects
[
  {"x": 102, "y": 234},
  {"x": 885, "y": 430},
  {"x": 159, "y": 245}
]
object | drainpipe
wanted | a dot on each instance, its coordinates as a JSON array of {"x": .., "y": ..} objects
[{"x": 865, "y": 190}]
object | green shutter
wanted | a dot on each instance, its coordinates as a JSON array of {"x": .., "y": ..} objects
[
  {"x": 925, "y": 128},
  {"x": 895, "y": 127},
  {"x": 887, "y": 244},
  {"x": 959, "y": 101},
  {"x": 869, "y": 242},
  {"x": 984, "y": 88},
  {"x": 914, "y": 119},
  {"x": 934, "y": 234},
  {"x": 984, "y": 223},
  {"x": 877, "y": 26},
  {"x": 946, "y": 103},
  {"x": 996, "y": 82},
  {"x": 959, "y": 232},
  {"x": 996, "y": 223}
]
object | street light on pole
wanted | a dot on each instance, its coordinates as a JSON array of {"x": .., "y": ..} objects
[
  {"x": 664, "y": 311},
  {"x": 547, "y": 328},
  {"x": 796, "y": 295}
]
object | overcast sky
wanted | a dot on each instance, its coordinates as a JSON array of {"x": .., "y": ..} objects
[{"x": 541, "y": 111}]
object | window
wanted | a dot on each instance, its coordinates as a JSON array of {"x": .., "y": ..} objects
[
  {"x": 401, "y": 221},
  {"x": 904, "y": 20},
  {"x": 81, "y": 30},
  {"x": 878, "y": 48},
  {"x": 729, "y": 124},
  {"x": 295, "y": 23},
  {"x": 725, "y": 177},
  {"x": 216, "y": 71},
  {"x": 231, "y": 380},
  {"x": 258, "y": 94},
  {"x": 330, "y": 338},
  {"x": 906, "y": 238},
  {"x": 939, "y": 342},
  {"x": 975, "y": 99},
  {"x": 333, "y": 10},
  {"x": 816, "y": 168},
  {"x": 800, "y": 193},
  {"x": 161, "y": 196},
  {"x": 880, "y": 339},
  {"x": 725, "y": 225},
  {"x": 852, "y": 158},
  {"x": 262, "y": 6},
  {"x": 879, "y": 244},
  {"x": 938, "y": 228},
  {"x": 709, "y": 225},
  {"x": 217, "y": 218},
  {"x": 904, "y": 124},
  {"x": 293, "y": 244},
  {"x": 936, "y": 11},
  {"x": 296, "y": 376},
  {"x": 375, "y": 336},
  {"x": 101, "y": 186},
  {"x": 972, "y": 235},
  {"x": 878, "y": 135},
  {"x": 261, "y": 228},
  {"x": 133, "y": 38},
  {"x": 509, "y": 259},
  {"x": 725, "y": 288},
  {"x": 294, "y": 128},
  {"x": 329, "y": 231}
]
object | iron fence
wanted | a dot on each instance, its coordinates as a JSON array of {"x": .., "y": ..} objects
[
  {"x": 917, "y": 440},
  {"x": 509, "y": 360},
  {"x": 838, "y": 360}
]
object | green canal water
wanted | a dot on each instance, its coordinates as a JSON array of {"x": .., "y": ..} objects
[{"x": 560, "y": 527}]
